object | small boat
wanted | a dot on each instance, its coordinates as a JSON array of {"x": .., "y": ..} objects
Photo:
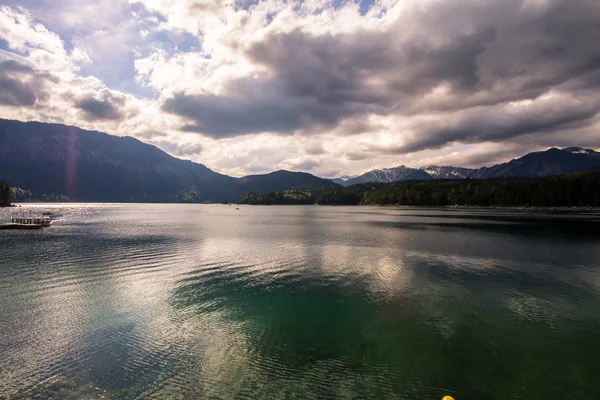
[
  {"x": 10, "y": 225},
  {"x": 22, "y": 220}
]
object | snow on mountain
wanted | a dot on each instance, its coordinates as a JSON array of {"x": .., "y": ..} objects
[
  {"x": 447, "y": 172},
  {"x": 580, "y": 150},
  {"x": 383, "y": 175},
  {"x": 533, "y": 165}
]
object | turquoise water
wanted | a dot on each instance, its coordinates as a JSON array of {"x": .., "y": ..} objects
[{"x": 205, "y": 301}]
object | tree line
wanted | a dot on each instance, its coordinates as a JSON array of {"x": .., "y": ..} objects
[
  {"x": 5, "y": 194},
  {"x": 574, "y": 190},
  {"x": 9, "y": 194},
  {"x": 286, "y": 197}
]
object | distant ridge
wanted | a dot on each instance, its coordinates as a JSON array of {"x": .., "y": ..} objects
[
  {"x": 543, "y": 163},
  {"x": 533, "y": 165}
]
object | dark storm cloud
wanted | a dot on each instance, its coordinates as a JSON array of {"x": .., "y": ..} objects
[
  {"x": 15, "y": 66},
  {"x": 221, "y": 117},
  {"x": 484, "y": 54},
  {"x": 502, "y": 123},
  {"x": 108, "y": 108},
  {"x": 315, "y": 149},
  {"x": 21, "y": 85},
  {"x": 316, "y": 82}
]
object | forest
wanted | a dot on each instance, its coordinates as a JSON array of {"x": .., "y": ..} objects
[
  {"x": 286, "y": 197},
  {"x": 5, "y": 194},
  {"x": 580, "y": 189},
  {"x": 9, "y": 194}
]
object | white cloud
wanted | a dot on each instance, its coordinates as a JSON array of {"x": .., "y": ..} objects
[
  {"x": 399, "y": 84},
  {"x": 31, "y": 39}
]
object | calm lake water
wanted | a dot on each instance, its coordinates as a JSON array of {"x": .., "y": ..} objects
[{"x": 205, "y": 301}]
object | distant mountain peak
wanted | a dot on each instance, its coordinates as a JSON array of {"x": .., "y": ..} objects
[
  {"x": 447, "y": 172},
  {"x": 579, "y": 150},
  {"x": 552, "y": 161},
  {"x": 543, "y": 163}
]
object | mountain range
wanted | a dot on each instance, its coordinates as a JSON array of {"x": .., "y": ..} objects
[
  {"x": 91, "y": 166},
  {"x": 533, "y": 165},
  {"x": 97, "y": 167}
]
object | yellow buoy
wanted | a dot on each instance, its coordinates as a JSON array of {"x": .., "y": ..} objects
[{"x": 447, "y": 398}]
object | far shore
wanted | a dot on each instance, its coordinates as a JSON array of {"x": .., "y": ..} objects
[
  {"x": 579, "y": 209},
  {"x": 499, "y": 208}
]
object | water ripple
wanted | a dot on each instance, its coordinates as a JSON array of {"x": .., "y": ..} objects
[{"x": 299, "y": 302}]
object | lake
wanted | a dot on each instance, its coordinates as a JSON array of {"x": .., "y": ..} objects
[{"x": 206, "y": 301}]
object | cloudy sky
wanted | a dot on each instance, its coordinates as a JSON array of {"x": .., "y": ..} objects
[{"x": 328, "y": 87}]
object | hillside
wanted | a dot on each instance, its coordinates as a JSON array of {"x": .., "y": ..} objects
[
  {"x": 579, "y": 189},
  {"x": 544, "y": 163},
  {"x": 382, "y": 175},
  {"x": 97, "y": 167},
  {"x": 283, "y": 180}
]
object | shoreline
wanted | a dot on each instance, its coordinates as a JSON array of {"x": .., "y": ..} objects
[
  {"x": 583, "y": 209},
  {"x": 578, "y": 209},
  {"x": 573, "y": 210}
]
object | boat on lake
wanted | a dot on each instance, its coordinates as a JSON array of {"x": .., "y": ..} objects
[{"x": 23, "y": 220}]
